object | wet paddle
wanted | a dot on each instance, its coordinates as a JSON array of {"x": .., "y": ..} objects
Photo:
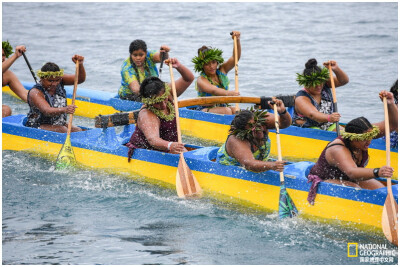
[
  {"x": 186, "y": 184},
  {"x": 389, "y": 214},
  {"x": 162, "y": 55},
  {"x": 29, "y": 66},
  {"x": 236, "y": 67},
  {"x": 66, "y": 157},
  {"x": 286, "y": 205},
  {"x": 335, "y": 109}
]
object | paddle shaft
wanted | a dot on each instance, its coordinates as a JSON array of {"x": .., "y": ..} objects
[
  {"x": 335, "y": 109},
  {"x": 387, "y": 131},
  {"x": 278, "y": 141},
  {"x": 162, "y": 55},
  {"x": 178, "y": 128},
  {"x": 73, "y": 96},
  {"x": 29, "y": 66},
  {"x": 236, "y": 68},
  {"x": 387, "y": 139}
]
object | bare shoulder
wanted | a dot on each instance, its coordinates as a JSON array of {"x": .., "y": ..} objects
[
  {"x": 147, "y": 117},
  {"x": 236, "y": 143},
  {"x": 202, "y": 80},
  {"x": 336, "y": 146},
  {"x": 35, "y": 92}
]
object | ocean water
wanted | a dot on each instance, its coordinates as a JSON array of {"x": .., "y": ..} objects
[{"x": 90, "y": 217}]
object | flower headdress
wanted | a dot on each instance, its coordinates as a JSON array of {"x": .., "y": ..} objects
[
  {"x": 157, "y": 99},
  {"x": 206, "y": 56},
  {"x": 361, "y": 137},
  {"x": 149, "y": 101},
  {"x": 50, "y": 74},
  {"x": 259, "y": 117},
  {"x": 314, "y": 79},
  {"x": 8, "y": 50}
]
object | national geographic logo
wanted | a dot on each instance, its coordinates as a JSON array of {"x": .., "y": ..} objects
[
  {"x": 371, "y": 253},
  {"x": 352, "y": 249}
]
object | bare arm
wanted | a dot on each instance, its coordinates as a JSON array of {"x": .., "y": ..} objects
[
  {"x": 285, "y": 120},
  {"x": 37, "y": 99},
  {"x": 150, "y": 126},
  {"x": 230, "y": 63},
  {"x": 204, "y": 85},
  {"x": 157, "y": 55},
  {"x": 135, "y": 87},
  {"x": 9, "y": 61},
  {"x": 340, "y": 157},
  {"x": 340, "y": 77},
  {"x": 186, "y": 78},
  {"x": 304, "y": 107},
  {"x": 393, "y": 114},
  {"x": 240, "y": 150},
  {"x": 69, "y": 79},
  {"x": 15, "y": 85}
]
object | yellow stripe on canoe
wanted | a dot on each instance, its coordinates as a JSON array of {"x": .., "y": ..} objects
[{"x": 261, "y": 196}]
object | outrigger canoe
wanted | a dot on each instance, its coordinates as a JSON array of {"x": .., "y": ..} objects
[
  {"x": 102, "y": 148},
  {"x": 297, "y": 143}
]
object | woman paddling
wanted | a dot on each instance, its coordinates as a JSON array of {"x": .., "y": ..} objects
[
  {"x": 139, "y": 65},
  {"x": 8, "y": 77},
  {"x": 47, "y": 99},
  {"x": 213, "y": 79},
  {"x": 156, "y": 124},
  {"x": 314, "y": 103},
  {"x": 394, "y": 136},
  {"x": 344, "y": 160},
  {"x": 248, "y": 144}
]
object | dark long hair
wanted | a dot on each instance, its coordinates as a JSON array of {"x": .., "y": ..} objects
[
  {"x": 134, "y": 46},
  {"x": 240, "y": 120},
  {"x": 50, "y": 66},
  {"x": 394, "y": 90},
  {"x": 311, "y": 67},
  {"x": 151, "y": 86},
  {"x": 358, "y": 125}
]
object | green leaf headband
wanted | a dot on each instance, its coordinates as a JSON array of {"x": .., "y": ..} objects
[
  {"x": 50, "y": 74},
  {"x": 259, "y": 122},
  {"x": 8, "y": 50},
  {"x": 361, "y": 137},
  {"x": 206, "y": 56},
  {"x": 316, "y": 78},
  {"x": 157, "y": 99}
]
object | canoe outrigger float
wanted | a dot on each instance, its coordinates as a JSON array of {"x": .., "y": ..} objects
[
  {"x": 103, "y": 149},
  {"x": 297, "y": 143}
]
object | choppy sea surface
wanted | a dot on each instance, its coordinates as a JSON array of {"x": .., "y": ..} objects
[{"x": 91, "y": 217}]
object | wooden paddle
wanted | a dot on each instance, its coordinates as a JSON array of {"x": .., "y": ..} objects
[
  {"x": 186, "y": 184},
  {"x": 286, "y": 205},
  {"x": 29, "y": 66},
  {"x": 335, "y": 109},
  {"x": 124, "y": 118},
  {"x": 389, "y": 214},
  {"x": 236, "y": 68},
  {"x": 162, "y": 55},
  {"x": 66, "y": 157}
]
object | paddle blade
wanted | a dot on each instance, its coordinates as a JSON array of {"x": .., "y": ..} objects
[
  {"x": 286, "y": 205},
  {"x": 389, "y": 220},
  {"x": 186, "y": 184},
  {"x": 66, "y": 157}
]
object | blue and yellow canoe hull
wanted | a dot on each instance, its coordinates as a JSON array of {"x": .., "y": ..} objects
[
  {"x": 103, "y": 150},
  {"x": 296, "y": 143}
]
